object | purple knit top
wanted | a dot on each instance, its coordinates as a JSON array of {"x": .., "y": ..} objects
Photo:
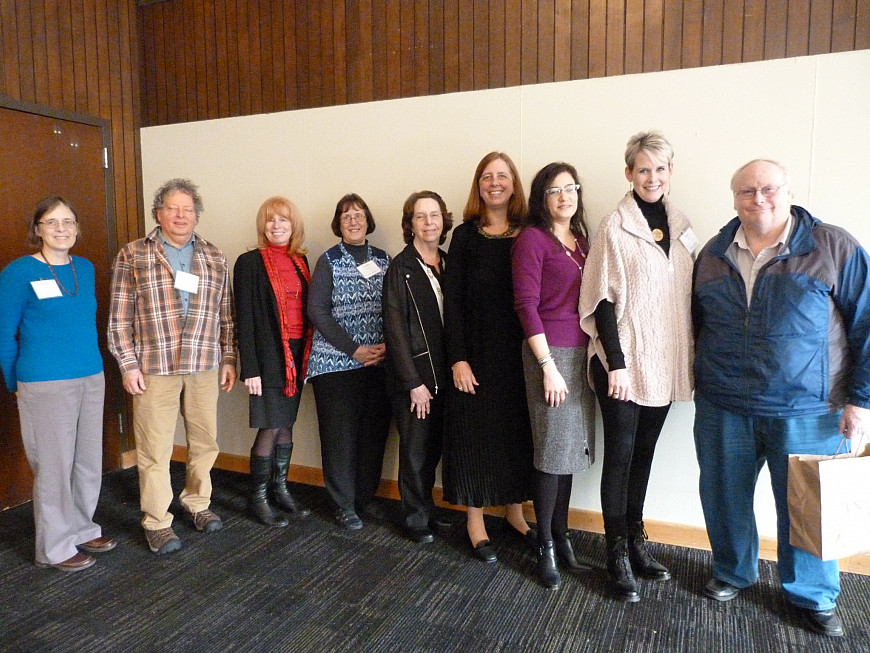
[{"x": 547, "y": 287}]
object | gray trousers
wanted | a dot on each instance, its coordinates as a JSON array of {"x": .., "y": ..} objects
[{"x": 62, "y": 431}]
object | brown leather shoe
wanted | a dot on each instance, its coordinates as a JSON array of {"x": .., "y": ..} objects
[
  {"x": 78, "y": 562},
  {"x": 99, "y": 545}
]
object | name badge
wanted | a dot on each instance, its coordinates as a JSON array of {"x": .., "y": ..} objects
[
  {"x": 187, "y": 282},
  {"x": 46, "y": 288},
  {"x": 368, "y": 269},
  {"x": 690, "y": 240}
]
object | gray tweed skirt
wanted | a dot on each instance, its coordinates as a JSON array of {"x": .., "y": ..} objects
[{"x": 564, "y": 437}]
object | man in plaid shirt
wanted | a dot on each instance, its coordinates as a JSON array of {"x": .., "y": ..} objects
[{"x": 171, "y": 331}]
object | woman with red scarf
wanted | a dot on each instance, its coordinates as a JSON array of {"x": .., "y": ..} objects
[{"x": 270, "y": 285}]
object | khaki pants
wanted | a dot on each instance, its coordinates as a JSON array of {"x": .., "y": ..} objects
[{"x": 155, "y": 414}]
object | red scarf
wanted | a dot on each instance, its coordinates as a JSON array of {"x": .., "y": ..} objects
[{"x": 290, "y": 384}]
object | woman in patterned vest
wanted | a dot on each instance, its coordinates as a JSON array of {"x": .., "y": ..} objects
[{"x": 346, "y": 364}]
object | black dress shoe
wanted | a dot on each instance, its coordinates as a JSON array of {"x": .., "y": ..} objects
[
  {"x": 719, "y": 590},
  {"x": 348, "y": 520},
  {"x": 823, "y": 622},
  {"x": 441, "y": 524},
  {"x": 530, "y": 537},
  {"x": 421, "y": 535},
  {"x": 484, "y": 551},
  {"x": 374, "y": 510}
]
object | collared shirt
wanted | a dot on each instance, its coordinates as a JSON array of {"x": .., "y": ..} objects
[
  {"x": 148, "y": 329},
  {"x": 180, "y": 259},
  {"x": 748, "y": 264}
]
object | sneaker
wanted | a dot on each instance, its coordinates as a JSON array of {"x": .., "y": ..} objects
[
  {"x": 162, "y": 541},
  {"x": 206, "y": 521}
]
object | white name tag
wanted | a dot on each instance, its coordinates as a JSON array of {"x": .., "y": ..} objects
[
  {"x": 187, "y": 282},
  {"x": 368, "y": 269},
  {"x": 690, "y": 240},
  {"x": 46, "y": 288}
]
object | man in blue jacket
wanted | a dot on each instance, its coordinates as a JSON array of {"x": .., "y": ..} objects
[{"x": 781, "y": 309}]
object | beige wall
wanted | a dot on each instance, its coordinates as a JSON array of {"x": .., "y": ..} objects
[{"x": 810, "y": 113}]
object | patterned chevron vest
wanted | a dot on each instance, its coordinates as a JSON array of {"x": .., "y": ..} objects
[{"x": 356, "y": 306}]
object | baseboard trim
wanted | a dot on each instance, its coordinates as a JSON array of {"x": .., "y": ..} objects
[{"x": 584, "y": 520}]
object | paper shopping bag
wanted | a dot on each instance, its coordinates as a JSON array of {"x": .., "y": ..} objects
[{"x": 829, "y": 503}]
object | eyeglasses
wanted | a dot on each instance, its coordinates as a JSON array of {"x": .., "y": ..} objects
[
  {"x": 766, "y": 191},
  {"x": 187, "y": 212},
  {"x": 555, "y": 190},
  {"x": 66, "y": 223},
  {"x": 434, "y": 215},
  {"x": 347, "y": 218}
]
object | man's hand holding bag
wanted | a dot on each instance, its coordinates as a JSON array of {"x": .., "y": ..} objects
[{"x": 829, "y": 503}]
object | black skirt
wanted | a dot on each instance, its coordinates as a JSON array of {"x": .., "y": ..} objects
[{"x": 273, "y": 409}]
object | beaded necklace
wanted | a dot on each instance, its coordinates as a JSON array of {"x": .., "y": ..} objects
[
  {"x": 507, "y": 233},
  {"x": 570, "y": 254},
  {"x": 57, "y": 280}
]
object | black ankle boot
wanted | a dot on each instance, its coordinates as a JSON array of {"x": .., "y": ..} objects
[
  {"x": 565, "y": 552},
  {"x": 261, "y": 472},
  {"x": 282, "y": 496},
  {"x": 548, "y": 573},
  {"x": 622, "y": 582},
  {"x": 642, "y": 563}
]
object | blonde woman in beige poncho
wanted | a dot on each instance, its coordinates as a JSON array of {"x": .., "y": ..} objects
[{"x": 635, "y": 306}]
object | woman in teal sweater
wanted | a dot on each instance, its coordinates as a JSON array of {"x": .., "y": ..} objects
[{"x": 51, "y": 361}]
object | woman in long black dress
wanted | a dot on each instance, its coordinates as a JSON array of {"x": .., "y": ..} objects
[
  {"x": 271, "y": 290},
  {"x": 488, "y": 443}
]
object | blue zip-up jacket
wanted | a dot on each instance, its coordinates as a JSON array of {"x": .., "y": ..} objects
[{"x": 803, "y": 345}]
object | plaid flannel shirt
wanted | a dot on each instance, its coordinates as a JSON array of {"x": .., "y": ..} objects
[{"x": 147, "y": 326}]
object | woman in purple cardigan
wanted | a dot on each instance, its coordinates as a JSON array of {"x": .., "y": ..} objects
[{"x": 548, "y": 260}]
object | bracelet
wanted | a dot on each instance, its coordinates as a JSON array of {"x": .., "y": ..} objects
[{"x": 546, "y": 359}]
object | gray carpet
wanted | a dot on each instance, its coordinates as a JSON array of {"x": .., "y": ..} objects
[{"x": 313, "y": 587}]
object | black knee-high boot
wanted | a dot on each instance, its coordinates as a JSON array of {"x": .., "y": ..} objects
[
  {"x": 281, "y": 494},
  {"x": 261, "y": 472},
  {"x": 642, "y": 563}
]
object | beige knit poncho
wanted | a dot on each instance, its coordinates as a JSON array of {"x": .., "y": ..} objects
[{"x": 651, "y": 294}]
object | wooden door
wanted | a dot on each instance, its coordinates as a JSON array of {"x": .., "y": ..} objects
[{"x": 43, "y": 152}]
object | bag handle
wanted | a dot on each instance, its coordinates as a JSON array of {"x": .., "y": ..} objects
[{"x": 854, "y": 452}]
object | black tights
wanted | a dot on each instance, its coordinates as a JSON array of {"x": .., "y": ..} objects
[
  {"x": 630, "y": 435},
  {"x": 551, "y": 497},
  {"x": 264, "y": 443}
]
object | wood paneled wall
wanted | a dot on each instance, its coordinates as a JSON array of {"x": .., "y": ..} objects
[
  {"x": 205, "y": 59},
  {"x": 81, "y": 56}
]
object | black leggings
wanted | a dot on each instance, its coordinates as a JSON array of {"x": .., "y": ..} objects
[
  {"x": 630, "y": 435},
  {"x": 264, "y": 443},
  {"x": 551, "y": 496}
]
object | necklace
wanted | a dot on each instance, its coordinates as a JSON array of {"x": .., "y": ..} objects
[
  {"x": 290, "y": 291},
  {"x": 569, "y": 254},
  {"x": 57, "y": 281},
  {"x": 507, "y": 233}
]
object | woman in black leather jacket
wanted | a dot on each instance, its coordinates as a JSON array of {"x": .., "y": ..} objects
[{"x": 416, "y": 360}]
